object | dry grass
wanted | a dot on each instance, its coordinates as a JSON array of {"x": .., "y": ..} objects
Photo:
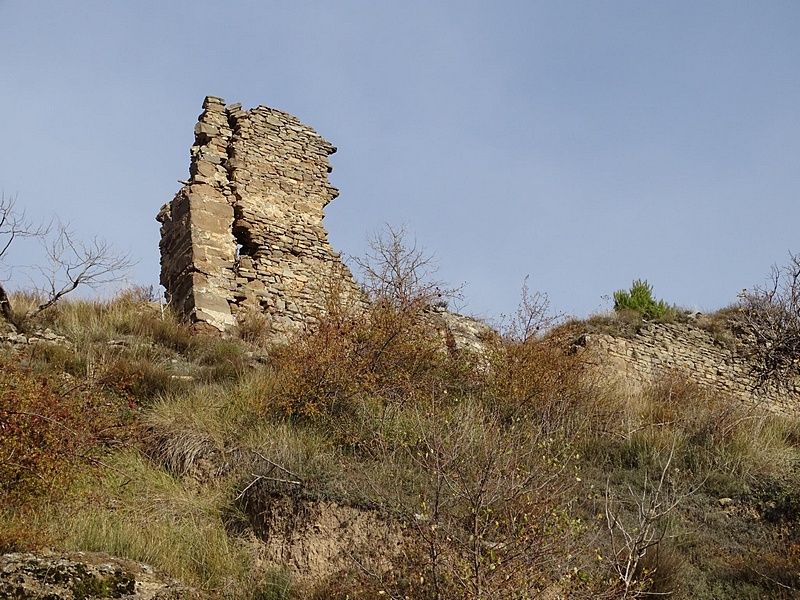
[
  {"x": 719, "y": 448},
  {"x": 495, "y": 474},
  {"x": 713, "y": 433},
  {"x": 143, "y": 513}
]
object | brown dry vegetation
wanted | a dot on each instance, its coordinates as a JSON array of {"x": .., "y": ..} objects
[{"x": 366, "y": 459}]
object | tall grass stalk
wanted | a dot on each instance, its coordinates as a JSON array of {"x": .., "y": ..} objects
[{"x": 142, "y": 513}]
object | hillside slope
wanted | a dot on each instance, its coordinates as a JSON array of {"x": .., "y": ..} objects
[{"x": 371, "y": 458}]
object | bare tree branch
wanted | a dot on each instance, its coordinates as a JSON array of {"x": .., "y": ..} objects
[
  {"x": 15, "y": 224},
  {"x": 770, "y": 316},
  {"x": 72, "y": 263}
]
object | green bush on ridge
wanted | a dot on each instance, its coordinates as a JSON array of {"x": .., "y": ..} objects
[{"x": 640, "y": 300}]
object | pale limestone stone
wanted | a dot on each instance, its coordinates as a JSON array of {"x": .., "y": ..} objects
[{"x": 249, "y": 221}]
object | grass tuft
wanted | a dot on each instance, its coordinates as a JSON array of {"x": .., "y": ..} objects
[{"x": 501, "y": 473}]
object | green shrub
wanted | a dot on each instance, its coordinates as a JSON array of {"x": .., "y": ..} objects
[{"x": 640, "y": 300}]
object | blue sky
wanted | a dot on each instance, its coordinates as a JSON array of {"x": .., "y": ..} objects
[{"x": 582, "y": 144}]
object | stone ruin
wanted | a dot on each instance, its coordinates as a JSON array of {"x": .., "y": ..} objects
[
  {"x": 245, "y": 231},
  {"x": 686, "y": 350}
]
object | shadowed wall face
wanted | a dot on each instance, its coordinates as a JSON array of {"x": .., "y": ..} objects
[{"x": 245, "y": 232}]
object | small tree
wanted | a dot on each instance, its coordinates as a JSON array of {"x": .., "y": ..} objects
[
  {"x": 72, "y": 263},
  {"x": 14, "y": 225},
  {"x": 640, "y": 300},
  {"x": 636, "y": 540},
  {"x": 400, "y": 273},
  {"x": 770, "y": 316},
  {"x": 484, "y": 502}
]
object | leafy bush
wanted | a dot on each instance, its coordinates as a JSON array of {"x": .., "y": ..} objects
[
  {"x": 388, "y": 357},
  {"x": 640, "y": 300},
  {"x": 50, "y": 431},
  {"x": 384, "y": 355}
]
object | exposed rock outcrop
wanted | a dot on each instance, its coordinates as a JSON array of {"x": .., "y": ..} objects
[
  {"x": 461, "y": 333},
  {"x": 84, "y": 576}
]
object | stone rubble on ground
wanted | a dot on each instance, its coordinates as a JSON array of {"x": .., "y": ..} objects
[{"x": 46, "y": 336}]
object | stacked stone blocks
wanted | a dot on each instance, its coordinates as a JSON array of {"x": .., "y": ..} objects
[
  {"x": 691, "y": 351},
  {"x": 245, "y": 232}
]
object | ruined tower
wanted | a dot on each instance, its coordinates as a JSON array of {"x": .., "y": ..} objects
[{"x": 245, "y": 232}]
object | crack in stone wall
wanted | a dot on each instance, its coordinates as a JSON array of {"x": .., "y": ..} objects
[{"x": 245, "y": 232}]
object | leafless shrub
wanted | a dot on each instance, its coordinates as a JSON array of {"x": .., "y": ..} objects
[
  {"x": 770, "y": 316},
  {"x": 72, "y": 263},
  {"x": 401, "y": 273},
  {"x": 532, "y": 318},
  {"x": 636, "y": 539}
]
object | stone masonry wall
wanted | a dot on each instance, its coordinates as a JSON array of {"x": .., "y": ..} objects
[
  {"x": 245, "y": 232},
  {"x": 659, "y": 348}
]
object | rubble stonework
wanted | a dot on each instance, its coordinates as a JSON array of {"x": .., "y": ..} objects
[
  {"x": 682, "y": 348},
  {"x": 245, "y": 232}
]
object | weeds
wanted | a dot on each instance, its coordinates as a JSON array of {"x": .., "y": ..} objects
[
  {"x": 514, "y": 476},
  {"x": 51, "y": 431}
]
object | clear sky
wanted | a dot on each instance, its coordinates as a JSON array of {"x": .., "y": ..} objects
[{"x": 581, "y": 143}]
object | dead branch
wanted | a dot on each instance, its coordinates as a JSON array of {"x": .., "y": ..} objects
[
  {"x": 14, "y": 224},
  {"x": 769, "y": 316},
  {"x": 74, "y": 263}
]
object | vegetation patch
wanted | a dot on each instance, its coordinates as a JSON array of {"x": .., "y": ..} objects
[
  {"x": 368, "y": 458},
  {"x": 639, "y": 299}
]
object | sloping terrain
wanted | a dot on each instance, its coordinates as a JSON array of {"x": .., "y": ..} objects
[{"x": 376, "y": 458}]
